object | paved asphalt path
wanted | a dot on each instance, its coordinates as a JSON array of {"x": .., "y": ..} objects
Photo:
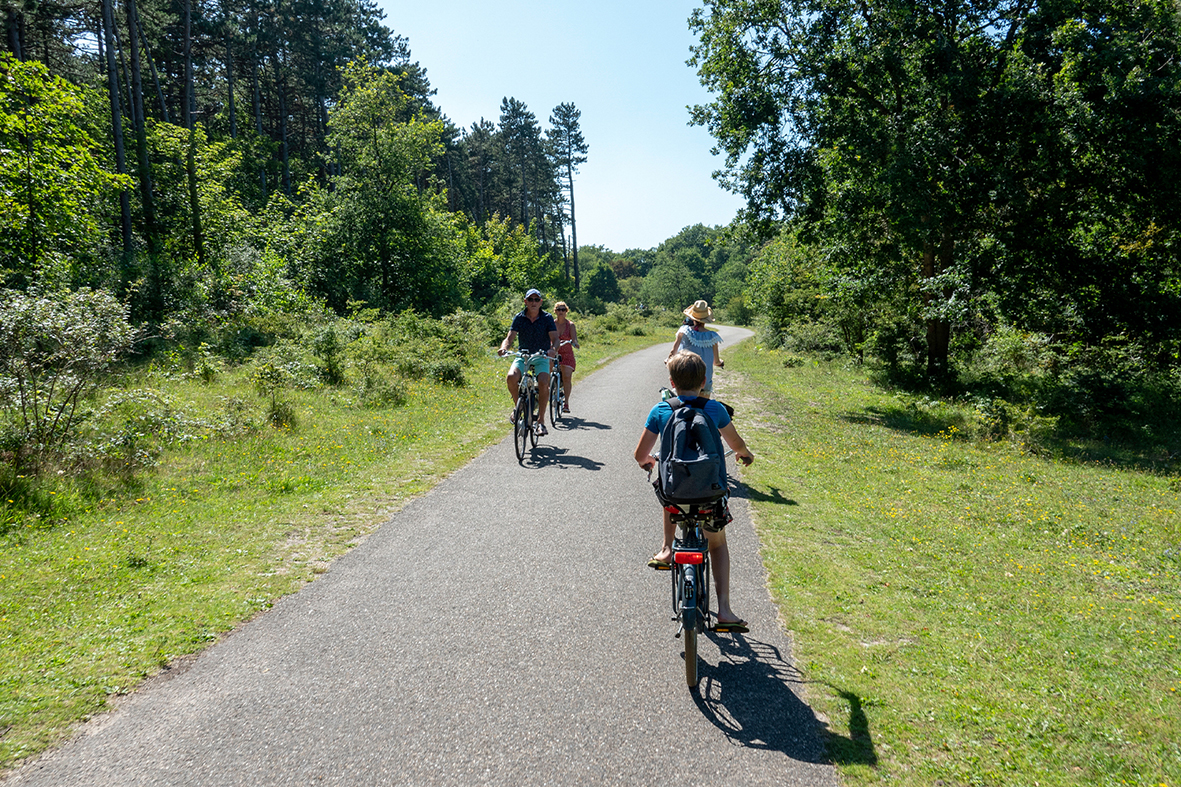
[{"x": 502, "y": 629}]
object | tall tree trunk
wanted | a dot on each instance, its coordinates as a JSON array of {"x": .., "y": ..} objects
[
  {"x": 565, "y": 256},
  {"x": 141, "y": 135},
  {"x": 936, "y": 259},
  {"x": 152, "y": 68},
  {"x": 230, "y": 80},
  {"x": 191, "y": 159},
  {"x": 257, "y": 99},
  {"x": 283, "y": 135},
  {"x": 14, "y": 32},
  {"x": 573, "y": 230},
  {"x": 124, "y": 71},
  {"x": 117, "y": 127}
]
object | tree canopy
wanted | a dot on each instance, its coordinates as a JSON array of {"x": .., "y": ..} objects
[{"x": 1001, "y": 160}]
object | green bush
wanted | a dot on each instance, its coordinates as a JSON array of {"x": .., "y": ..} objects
[
  {"x": 55, "y": 350},
  {"x": 329, "y": 351},
  {"x": 818, "y": 338},
  {"x": 1002, "y": 420},
  {"x": 129, "y": 431},
  {"x": 377, "y": 391},
  {"x": 448, "y": 371}
]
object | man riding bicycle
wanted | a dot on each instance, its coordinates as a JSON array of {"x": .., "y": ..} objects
[{"x": 536, "y": 331}]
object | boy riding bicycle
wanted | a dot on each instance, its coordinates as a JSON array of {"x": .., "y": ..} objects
[{"x": 686, "y": 376}]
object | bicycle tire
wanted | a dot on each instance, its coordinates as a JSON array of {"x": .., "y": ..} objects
[
  {"x": 689, "y": 625},
  {"x": 555, "y": 398},
  {"x": 703, "y": 590},
  {"x": 520, "y": 429},
  {"x": 532, "y": 412}
]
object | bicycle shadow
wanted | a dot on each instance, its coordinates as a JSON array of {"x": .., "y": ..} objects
[
  {"x": 551, "y": 455},
  {"x": 749, "y": 696},
  {"x": 570, "y": 423}
]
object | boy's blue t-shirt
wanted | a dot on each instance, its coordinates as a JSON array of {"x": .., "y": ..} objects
[{"x": 658, "y": 416}]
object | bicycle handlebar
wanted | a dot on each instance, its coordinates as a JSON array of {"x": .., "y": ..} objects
[{"x": 520, "y": 354}]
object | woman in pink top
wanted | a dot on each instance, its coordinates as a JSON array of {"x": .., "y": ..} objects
[{"x": 566, "y": 333}]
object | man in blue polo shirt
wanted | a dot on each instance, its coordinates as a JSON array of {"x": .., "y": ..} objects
[{"x": 537, "y": 331}]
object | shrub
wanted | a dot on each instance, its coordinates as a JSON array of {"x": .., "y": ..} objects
[
  {"x": 55, "y": 349},
  {"x": 381, "y": 391},
  {"x": 448, "y": 371},
  {"x": 329, "y": 351},
  {"x": 1002, "y": 420},
  {"x": 129, "y": 431},
  {"x": 818, "y": 338}
]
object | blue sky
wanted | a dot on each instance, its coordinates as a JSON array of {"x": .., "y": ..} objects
[{"x": 648, "y": 174}]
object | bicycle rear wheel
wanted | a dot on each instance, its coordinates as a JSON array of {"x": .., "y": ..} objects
[
  {"x": 555, "y": 397},
  {"x": 521, "y": 428},
  {"x": 689, "y": 624},
  {"x": 703, "y": 589}
]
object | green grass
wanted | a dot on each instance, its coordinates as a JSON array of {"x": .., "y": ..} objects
[
  {"x": 963, "y": 612},
  {"x": 103, "y": 582}
]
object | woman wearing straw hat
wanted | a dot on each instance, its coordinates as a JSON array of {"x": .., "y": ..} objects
[{"x": 705, "y": 343}]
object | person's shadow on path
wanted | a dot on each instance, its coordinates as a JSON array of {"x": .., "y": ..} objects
[
  {"x": 570, "y": 423},
  {"x": 749, "y": 697},
  {"x": 773, "y": 495}
]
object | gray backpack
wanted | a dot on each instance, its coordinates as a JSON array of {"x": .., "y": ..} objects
[{"x": 692, "y": 465}]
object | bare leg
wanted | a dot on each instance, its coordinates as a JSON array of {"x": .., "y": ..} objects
[
  {"x": 666, "y": 546},
  {"x": 567, "y": 382},
  {"x": 513, "y": 380},
  {"x": 719, "y": 557},
  {"x": 542, "y": 396}
]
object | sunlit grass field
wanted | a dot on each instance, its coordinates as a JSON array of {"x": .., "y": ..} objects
[
  {"x": 963, "y": 612},
  {"x": 121, "y": 577}
]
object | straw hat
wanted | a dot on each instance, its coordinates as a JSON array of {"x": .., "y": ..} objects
[{"x": 700, "y": 311}]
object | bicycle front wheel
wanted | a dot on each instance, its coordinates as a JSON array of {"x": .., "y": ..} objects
[
  {"x": 521, "y": 428},
  {"x": 555, "y": 398},
  {"x": 540, "y": 417}
]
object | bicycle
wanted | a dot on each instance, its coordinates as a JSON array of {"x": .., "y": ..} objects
[
  {"x": 690, "y": 580},
  {"x": 690, "y": 573},
  {"x": 557, "y": 396},
  {"x": 526, "y": 416},
  {"x": 690, "y": 576}
]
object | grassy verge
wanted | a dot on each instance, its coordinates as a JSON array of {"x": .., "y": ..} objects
[
  {"x": 112, "y": 580},
  {"x": 962, "y": 612}
]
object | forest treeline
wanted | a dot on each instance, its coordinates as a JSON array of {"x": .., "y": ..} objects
[
  {"x": 215, "y": 178},
  {"x": 203, "y": 137},
  {"x": 979, "y": 199}
]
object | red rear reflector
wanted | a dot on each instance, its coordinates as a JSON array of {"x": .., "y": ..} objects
[{"x": 696, "y": 558}]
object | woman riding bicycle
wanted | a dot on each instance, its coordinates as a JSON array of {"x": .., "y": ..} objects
[
  {"x": 537, "y": 333},
  {"x": 567, "y": 342},
  {"x": 694, "y": 336}
]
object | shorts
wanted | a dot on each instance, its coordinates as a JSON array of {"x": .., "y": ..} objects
[
  {"x": 539, "y": 364},
  {"x": 722, "y": 516}
]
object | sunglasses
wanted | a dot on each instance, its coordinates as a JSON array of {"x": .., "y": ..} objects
[
  {"x": 560, "y": 309},
  {"x": 533, "y": 299}
]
